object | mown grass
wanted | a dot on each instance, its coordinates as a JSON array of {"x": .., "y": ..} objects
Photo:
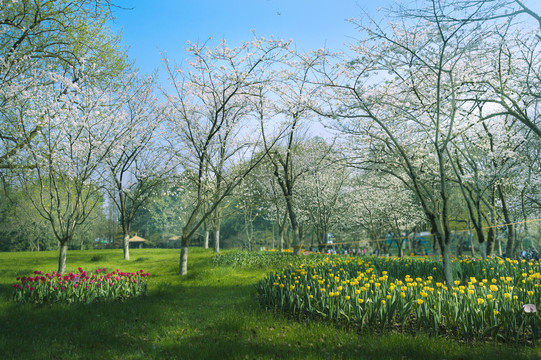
[{"x": 209, "y": 314}]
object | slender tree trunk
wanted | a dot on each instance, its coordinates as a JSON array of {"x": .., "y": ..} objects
[
  {"x": 183, "y": 270},
  {"x": 273, "y": 239},
  {"x": 442, "y": 237},
  {"x": 511, "y": 251},
  {"x": 490, "y": 241},
  {"x": 281, "y": 245},
  {"x": 207, "y": 235},
  {"x": 126, "y": 246},
  {"x": 400, "y": 248},
  {"x": 62, "y": 257},
  {"x": 491, "y": 238},
  {"x": 296, "y": 240},
  {"x": 472, "y": 244},
  {"x": 217, "y": 239},
  {"x": 294, "y": 227}
]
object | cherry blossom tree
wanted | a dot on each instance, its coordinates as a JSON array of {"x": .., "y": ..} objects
[
  {"x": 507, "y": 85},
  {"x": 288, "y": 109},
  {"x": 381, "y": 205},
  {"x": 43, "y": 46},
  {"x": 485, "y": 158},
  {"x": 208, "y": 111},
  {"x": 68, "y": 153},
  {"x": 136, "y": 166},
  {"x": 407, "y": 119},
  {"x": 270, "y": 197},
  {"x": 321, "y": 189}
]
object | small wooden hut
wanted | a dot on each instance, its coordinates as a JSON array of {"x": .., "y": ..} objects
[
  {"x": 136, "y": 240},
  {"x": 175, "y": 241}
]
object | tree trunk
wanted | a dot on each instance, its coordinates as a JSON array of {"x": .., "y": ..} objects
[
  {"x": 491, "y": 238},
  {"x": 62, "y": 257},
  {"x": 447, "y": 265},
  {"x": 294, "y": 227},
  {"x": 217, "y": 239},
  {"x": 273, "y": 239},
  {"x": 471, "y": 239},
  {"x": 442, "y": 237},
  {"x": 296, "y": 240},
  {"x": 183, "y": 270},
  {"x": 400, "y": 248},
  {"x": 207, "y": 235},
  {"x": 126, "y": 246},
  {"x": 511, "y": 251},
  {"x": 479, "y": 235},
  {"x": 490, "y": 241}
]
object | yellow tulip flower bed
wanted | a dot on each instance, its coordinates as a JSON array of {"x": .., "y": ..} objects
[{"x": 490, "y": 299}]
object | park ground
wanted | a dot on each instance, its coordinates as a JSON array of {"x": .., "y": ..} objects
[{"x": 211, "y": 313}]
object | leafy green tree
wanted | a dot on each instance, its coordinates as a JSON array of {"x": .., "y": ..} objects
[{"x": 21, "y": 226}]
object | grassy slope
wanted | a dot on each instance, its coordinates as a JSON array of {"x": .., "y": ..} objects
[{"x": 209, "y": 314}]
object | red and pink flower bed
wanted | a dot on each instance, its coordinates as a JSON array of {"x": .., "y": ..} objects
[{"x": 81, "y": 287}]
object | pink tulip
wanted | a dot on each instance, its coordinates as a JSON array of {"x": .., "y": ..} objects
[{"x": 529, "y": 308}]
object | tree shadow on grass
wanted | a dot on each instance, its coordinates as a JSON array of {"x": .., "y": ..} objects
[
  {"x": 186, "y": 321},
  {"x": 108, "y": 330},
  {"x": 5, "y": 292}
]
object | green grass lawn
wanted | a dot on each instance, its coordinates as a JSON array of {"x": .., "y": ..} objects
[{"x": 209, "y": 314}]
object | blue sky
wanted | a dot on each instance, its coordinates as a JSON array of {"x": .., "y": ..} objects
[
  {"x": 158, "y": 26},
  {"x": 154, "y": 26}
]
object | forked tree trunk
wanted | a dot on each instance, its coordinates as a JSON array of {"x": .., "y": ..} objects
[
  {"x": 126, "y": 246},
  {"x": 62, "y": 257}
]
